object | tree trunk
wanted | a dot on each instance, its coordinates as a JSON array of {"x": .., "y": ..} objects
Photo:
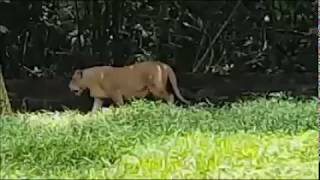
[
  {"x": 163, "y": 30},
  {"x": 116, "y": 23},
  {"x": 5, "y": 107}
]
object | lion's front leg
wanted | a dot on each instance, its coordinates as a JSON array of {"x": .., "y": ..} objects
[{"x": 97, "y": 104}]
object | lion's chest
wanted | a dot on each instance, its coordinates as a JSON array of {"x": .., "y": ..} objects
[{"x": 97, "y": 91}]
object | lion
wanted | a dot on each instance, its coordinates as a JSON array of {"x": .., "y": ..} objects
[{"x": 127, "y": 82}]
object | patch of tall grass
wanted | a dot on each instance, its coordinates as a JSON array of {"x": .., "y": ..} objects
[{"x": 71, "y": 144}]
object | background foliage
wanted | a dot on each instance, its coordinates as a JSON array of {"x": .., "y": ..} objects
[{"x": 223, "y": 36}]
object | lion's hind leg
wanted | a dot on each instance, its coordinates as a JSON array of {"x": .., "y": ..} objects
[{"x": 162, "y": 94}]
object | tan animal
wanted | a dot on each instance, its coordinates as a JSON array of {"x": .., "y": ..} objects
[{"x": 134, "y": 81}]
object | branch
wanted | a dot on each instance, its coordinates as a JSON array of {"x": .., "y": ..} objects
[
  {"x": 311, "y": 31},
  {"x": 210, "y": 61},
  {"x": 25, "y": 45},
  {"x": 217, "y": 36}
]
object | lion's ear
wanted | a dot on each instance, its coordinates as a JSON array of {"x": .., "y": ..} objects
[{"x": 79, "y": 72}]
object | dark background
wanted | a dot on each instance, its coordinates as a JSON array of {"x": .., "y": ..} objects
[{"x": 219, "y": 49}]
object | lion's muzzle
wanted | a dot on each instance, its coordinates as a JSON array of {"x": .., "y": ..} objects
[
  {"x": 75, "y": 89},
  {"x": 77, "y": 92}
]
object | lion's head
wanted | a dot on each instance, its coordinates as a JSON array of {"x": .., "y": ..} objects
[{"x": 77, "y": 85}]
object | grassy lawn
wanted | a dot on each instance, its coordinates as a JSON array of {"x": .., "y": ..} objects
[{"x": 274, "y": 138}]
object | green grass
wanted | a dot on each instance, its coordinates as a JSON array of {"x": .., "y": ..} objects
[{"x": 273, "y": 138}]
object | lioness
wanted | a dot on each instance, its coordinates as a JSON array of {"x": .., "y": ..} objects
[{"x": 119, "y": 83}]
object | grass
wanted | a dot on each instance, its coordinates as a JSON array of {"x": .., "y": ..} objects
[{"x": 274, "y": 138}]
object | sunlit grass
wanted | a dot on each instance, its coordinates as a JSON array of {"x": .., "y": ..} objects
[
  {"x": 199, "y": 155},
  {"x": 264, "y": 138}
]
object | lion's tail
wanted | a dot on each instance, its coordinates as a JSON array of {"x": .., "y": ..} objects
[{"x": 174, "y": 84}]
